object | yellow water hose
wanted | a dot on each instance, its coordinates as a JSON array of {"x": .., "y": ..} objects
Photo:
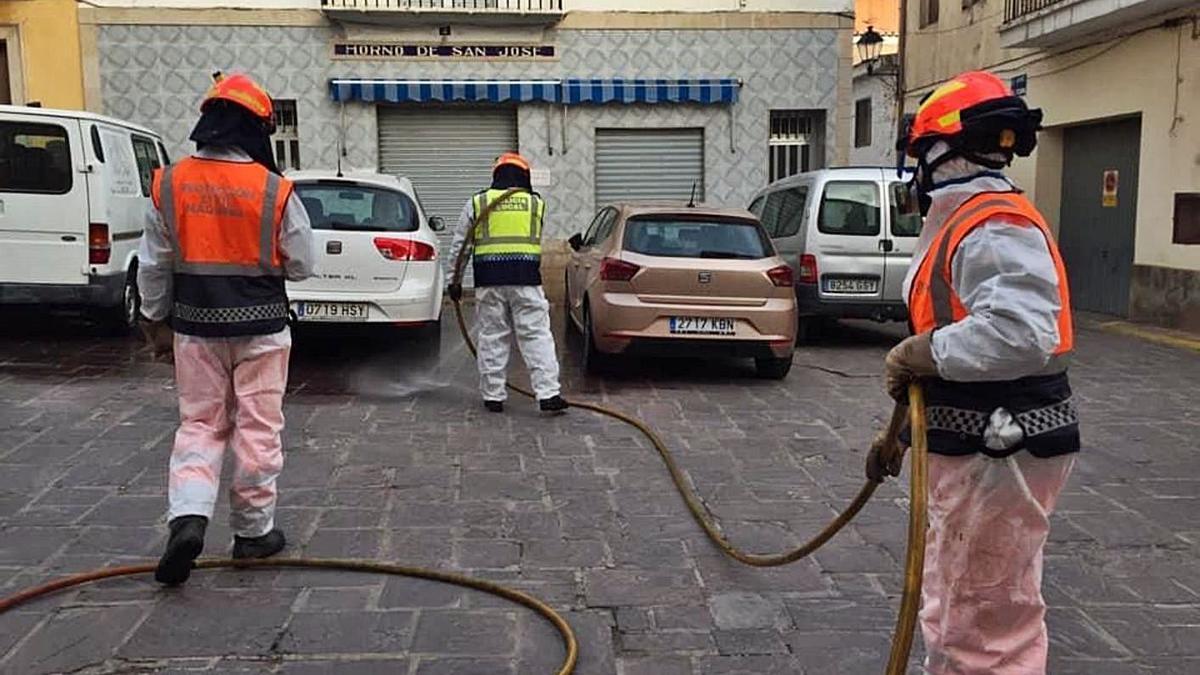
[{"x": 914, "y": 563}]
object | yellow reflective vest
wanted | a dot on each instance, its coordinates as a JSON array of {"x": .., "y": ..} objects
[{"x": 508, "y": 244}]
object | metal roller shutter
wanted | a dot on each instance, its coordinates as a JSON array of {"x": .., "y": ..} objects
[
  {"x": 640, "y": 164},
  {"x": 447, "y": 153}
]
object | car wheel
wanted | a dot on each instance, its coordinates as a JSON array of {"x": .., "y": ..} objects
[
  {"x": 772, "y": 368},
  {"x": 809, "y": 328},
  {"x": 123, "y": 318},
  {"x": 431, "y": 338},
  {"x": 594, "y": 361}
]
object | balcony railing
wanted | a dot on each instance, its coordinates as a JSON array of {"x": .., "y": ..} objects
[
  {"x": 1017, "y": 9},
  {"x": 499, "y": 6}
]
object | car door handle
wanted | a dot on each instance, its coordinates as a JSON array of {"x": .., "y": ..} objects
[{"x": 887, "y": 245}]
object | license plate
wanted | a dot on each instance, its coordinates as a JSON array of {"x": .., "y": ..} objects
[
  {"x": 851, "y": 285},
  {"x": 702, "y": 325},
  {"x": 331, "y": 311}
]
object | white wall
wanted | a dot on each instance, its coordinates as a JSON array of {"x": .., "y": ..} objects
[
  {"x": 881, "y": 91},
  {"x": 831, "y": 6}
]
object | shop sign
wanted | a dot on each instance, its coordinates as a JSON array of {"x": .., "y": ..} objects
[
  {"x": 393, "y": 51},
  {"x": 1111, "y": 182}
]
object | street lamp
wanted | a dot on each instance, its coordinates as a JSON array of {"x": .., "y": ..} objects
[{"x": 869, "y": 45}]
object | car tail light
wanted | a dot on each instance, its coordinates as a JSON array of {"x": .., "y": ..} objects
[
  {"x": 781, "y": 276},
  {"x": 405, "y": 249},
  {"x": 99, "y": 244},
  {"x": 612, "y": 269},
  {"x": 808, "y": 269}
]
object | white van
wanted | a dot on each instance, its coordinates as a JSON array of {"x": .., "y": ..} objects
[
  {"x": 74, "y": 192},
  {"x": 843, "y": 232}
]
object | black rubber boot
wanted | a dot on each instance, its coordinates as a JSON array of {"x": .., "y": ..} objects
[
  {"x": 184, "y": 546},
  {"x": 494, "y": 406},
  {"x": 556, "y": 404},
  {"x": 259, "y": 547}
]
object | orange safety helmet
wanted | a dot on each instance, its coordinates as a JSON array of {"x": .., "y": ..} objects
[
  {"x": 245, "y": 92},
  {"x": 975, "y": 113},
  {"x": 511, "y": 159}
]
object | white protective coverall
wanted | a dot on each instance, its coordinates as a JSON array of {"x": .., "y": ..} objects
[
  {"x": 501, "y": 311},
  {"x": 230, "y": 389},
  {"x": 982, "y": 608}
]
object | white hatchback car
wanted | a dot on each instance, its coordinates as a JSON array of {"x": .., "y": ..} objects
[{"x": 377, "y": 253}]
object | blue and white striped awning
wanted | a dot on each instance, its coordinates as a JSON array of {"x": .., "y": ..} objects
[
  {"x": 424, "y": 91},
  {"x": 712, "y": 90},
  {"x": 571, "y": 91}
]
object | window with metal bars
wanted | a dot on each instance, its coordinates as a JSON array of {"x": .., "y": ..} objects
[
  {"x": 287, "y": 134},
  {"x": 793, "y": 143}
]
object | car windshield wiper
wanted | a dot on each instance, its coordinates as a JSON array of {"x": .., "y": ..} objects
[{"x": 725, "y": 254}]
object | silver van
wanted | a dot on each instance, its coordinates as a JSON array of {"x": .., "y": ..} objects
[{"x": 843, "y": 232}]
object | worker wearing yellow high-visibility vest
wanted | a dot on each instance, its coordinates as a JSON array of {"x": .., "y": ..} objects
[{"x": 508, "y": 284}]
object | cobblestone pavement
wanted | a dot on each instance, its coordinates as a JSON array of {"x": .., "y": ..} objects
[{"x": 391, "y": 457}]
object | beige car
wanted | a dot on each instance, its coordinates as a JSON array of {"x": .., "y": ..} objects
[{"x": 681, "y": 280}]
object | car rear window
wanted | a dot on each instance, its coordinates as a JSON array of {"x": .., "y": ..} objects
[
  {"x": 689, "y": 238},
  {"x": 335, "y": 206},
  {"x": 850, "y": 208},
  {"x": 34, "y": 158}
]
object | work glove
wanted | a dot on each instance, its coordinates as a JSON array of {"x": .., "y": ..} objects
[
  {"x": 910, "y": 360},
  {"x": 455, "y": 291},
  {"x": 160, "y": 339},
  {"x": 885, "y": 458}
]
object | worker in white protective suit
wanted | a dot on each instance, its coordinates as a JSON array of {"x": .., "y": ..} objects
[
  {"x": 226, "y": 231},
  {"x": 508, "y": 283},
  {"x": 991, "y": 315}
]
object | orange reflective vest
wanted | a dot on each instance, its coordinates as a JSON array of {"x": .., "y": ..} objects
[
  {"x": 932, "y": 300},
  {"x": 959, "y": 414},
  {"x": 224, "y": 219}
]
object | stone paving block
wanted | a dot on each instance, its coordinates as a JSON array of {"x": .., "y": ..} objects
[
  {"x": 465, "y": 633},
  {"x": 1073, "y": 634},
  {"x": 612, "y": 588},
  {"x": 190, "y": 621},
  {"x": 664, "y": 642},
  {"x": 348, "y": 633},
  {"x": 403, "y": 592},
  {"x": 848, "y": 653},
  {"x": 338, "y": 600},
  {"x": 32, "y": 545},
  {"x": 465, "y": 666},
  {"x": 749, "y": 642},
  {"x": 564, "y": 554},
  {"x": 493, "y": 485},
  {"x": 487, "y": 553},
  {"x": 364, "y": 544},
  {"x": 740, "y": 611},
  {"x": 743, "y": 665},
  {"x": 395, "y": 666},
  {"x": 655, "y": 665},
  {"x": 73, "y": 639}
]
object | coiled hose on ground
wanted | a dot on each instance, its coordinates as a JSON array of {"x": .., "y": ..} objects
[
  {"x": 915, "y": 557},
  {"x": 914, "y": 562}
]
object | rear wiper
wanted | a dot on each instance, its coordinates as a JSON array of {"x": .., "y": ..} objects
[
  {"x": 357, "y": 228},
  {"x": 724, "y": 254}
]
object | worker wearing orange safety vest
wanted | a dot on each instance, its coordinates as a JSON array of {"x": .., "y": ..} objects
[
  {"x": 991, "y": 316},
  {"x": 226, "y": 232}
]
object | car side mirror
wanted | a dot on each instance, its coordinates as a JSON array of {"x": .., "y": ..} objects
[
  {"x": 575, "y": 242},
  {"x": 437, "y": 223}
]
